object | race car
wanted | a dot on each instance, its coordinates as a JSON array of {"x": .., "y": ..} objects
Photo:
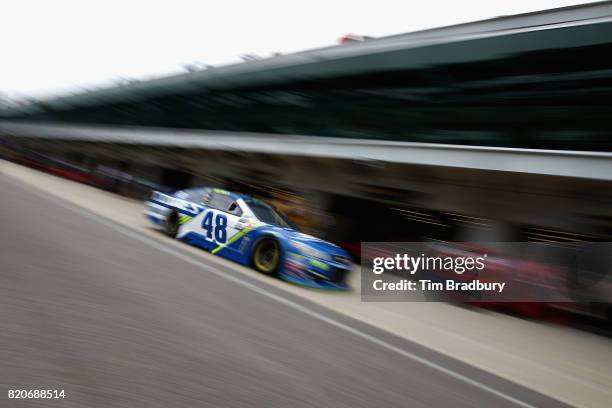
[{"x": 251, "y": 232}]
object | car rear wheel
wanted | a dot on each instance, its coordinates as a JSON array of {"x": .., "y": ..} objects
[
  {"x": 266, "y": 256},
  {"x": 171, "y": 225}
]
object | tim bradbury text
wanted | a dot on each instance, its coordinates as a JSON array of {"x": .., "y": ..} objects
[{"x": 428, "y": 285}]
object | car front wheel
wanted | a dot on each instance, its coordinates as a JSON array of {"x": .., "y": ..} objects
[{"x": 266, "y": 256}]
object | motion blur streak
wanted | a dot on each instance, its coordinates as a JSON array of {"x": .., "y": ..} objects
[
  {"x": 139, "y": 329},
  {"x": 297, "y": 306}
]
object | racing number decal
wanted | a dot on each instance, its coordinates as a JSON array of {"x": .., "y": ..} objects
[
  {"x": 207, "y": 224},
  {"x": 220, "y": 227}
]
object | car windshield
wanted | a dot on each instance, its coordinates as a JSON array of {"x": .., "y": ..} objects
[{"x": 266, "y": 213}]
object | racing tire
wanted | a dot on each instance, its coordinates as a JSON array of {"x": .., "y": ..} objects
[
  {"x": 171, "y": 225},
  {"x": 267, "y": 256}
]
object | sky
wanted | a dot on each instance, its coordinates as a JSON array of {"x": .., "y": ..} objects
[{"x": 54, "y": 47}]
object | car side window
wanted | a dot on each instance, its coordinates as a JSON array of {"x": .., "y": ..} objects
[
  {"x": 220, "y": 202},
  {"x": 235, "y": 209},
  {"x": 206, "y": 198}
]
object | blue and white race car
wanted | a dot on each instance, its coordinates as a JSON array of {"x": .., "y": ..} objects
[{"x": 250, "y": 232}]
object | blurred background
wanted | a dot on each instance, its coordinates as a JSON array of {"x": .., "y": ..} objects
[{"x": 496, "y": 130}]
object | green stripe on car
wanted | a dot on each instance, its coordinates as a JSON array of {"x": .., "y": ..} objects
[
  {"x": 185, "y": 218},
  {"x": 235, "y": 238},
  {"x": 319, "y": 264}
]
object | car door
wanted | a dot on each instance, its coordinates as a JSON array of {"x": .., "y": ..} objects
[
  {"x": 234, "y": 224},
  {"x": 218, "y": 223}
]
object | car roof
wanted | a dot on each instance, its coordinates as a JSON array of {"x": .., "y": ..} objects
[{"x": 233, "y": 195}]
